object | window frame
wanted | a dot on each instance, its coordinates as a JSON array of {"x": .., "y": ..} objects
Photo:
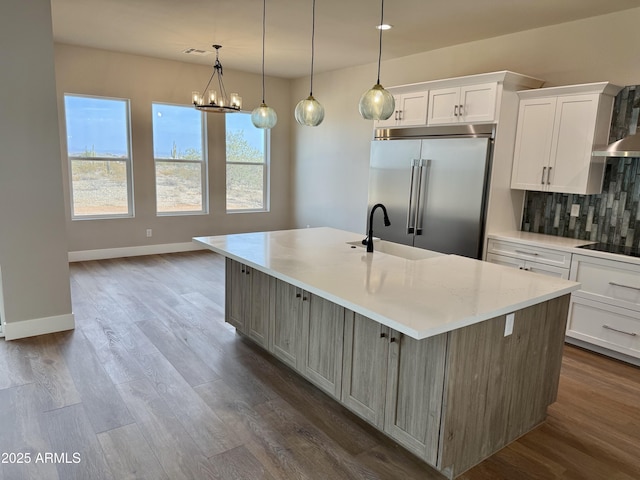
[
  {"x": 266, "y": 171},
  {"x": 204, "y": 166},
  {"x": 128, "y": 161}
]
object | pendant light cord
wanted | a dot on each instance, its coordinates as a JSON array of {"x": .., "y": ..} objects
[
  {"x": 313, "y": 37},
  {"x": 380, "y": 46},
  {"x": 264, "y": 14}
]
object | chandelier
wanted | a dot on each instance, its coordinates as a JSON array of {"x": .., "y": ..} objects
[{"x": 213, "y": 100}]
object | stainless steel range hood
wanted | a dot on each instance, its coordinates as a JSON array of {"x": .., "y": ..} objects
[{"x": 629, "y": 146}]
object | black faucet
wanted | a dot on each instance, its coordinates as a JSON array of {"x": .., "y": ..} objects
[{"x": 369, "y": 240}]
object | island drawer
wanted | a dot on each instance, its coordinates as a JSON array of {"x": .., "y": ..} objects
[
  {"x": 613, "y": 282},
  {"x": 556, "y": 258},
  {"x": 611, "y": 327}
]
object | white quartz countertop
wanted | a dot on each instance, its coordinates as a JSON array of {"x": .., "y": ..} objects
[
  {"x": 541, "y": 240},
  {"x": 419, "y": 298}
]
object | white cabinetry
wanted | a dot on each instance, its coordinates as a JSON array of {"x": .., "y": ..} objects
[
  {"x": 557, "y": 130},
  {"x": 606, "y": 310},
  {"x": 411, "y": 110},
  {"x": 466, "y": 104},
  {"x": 531, "y": 258}
]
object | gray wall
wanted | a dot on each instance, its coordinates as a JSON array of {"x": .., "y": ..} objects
[
  {"x": 610, "y": 217},
  {"x": 144, "y": 80},
  {"x": 33, "y": 247},
  {"x": 331, "y": 161}
]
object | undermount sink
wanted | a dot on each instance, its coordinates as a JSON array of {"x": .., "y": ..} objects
[{"x": 397, "y": 249}]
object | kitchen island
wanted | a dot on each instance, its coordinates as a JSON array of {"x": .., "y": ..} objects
[{"x": 451, "y": 357}]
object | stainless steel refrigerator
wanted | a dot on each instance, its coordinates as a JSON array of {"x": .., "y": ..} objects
[{"x": 434, "y": 184}]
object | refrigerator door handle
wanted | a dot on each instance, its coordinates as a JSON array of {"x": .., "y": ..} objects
[
  {"x": 411, "y": 217},
  {"x": 424, "y": 166}
]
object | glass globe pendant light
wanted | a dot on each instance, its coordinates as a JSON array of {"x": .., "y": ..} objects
[
  {"x": 264, "y": 116},
  {"x": 309, "y": 112},
  {"x": 377, "y": 103}
]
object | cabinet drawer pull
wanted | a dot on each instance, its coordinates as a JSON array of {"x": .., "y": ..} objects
[
  {"x": 624, "y": 286},
  {"x": 544, "y": 169},
  {"x": 525, "y": 252},
  {"x": 549, "y": 176},
  {"x": 631, "y": 334}
]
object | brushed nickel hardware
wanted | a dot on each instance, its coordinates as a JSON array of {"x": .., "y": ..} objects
[
  {"x": 631, "y": 334},
  {"x": 549, "y": 176},
  {"x": 544, "y": 169},
  {"x": 410, "y": 226},
  {"x": 525, "y": 252},
  {"x": 624, "y": 286}
]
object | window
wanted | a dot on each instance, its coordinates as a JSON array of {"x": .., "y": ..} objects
[
  {"x": 181, "y": 169},
  {"x": 99, "y": 152},
  {"x": 247, "y": 160}
]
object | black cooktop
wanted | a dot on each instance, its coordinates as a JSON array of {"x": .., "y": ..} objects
[{"x": 608, "y": 247}]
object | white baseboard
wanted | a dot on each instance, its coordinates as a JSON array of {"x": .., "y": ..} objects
[
  {"x": 38, "y": 326},
  {"x": 82, "y": 255}
]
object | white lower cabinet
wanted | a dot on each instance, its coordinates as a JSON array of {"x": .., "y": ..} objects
[
  {"x": 531, "y": 258},
  {"x": 606, "y": 310}
]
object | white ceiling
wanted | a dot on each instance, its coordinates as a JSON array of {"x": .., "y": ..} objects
[{"x": 345, "y": 29}]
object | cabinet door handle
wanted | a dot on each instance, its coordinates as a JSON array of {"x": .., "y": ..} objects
[
  {"x": 455, "y": 110},
  {"x": 392, "y": 339},
  {"x": 631, "y": 334},
  {"x": 624, "y": 286},
  {"x": 549, "y": 176},
  {"x": 383, "y": 335},
  {"x": 544, "y": 169},
  {"x": 399, "y": 114},
  {"x": 460, "y": 110},
  {"x": 395, "y": 116},
  {"x": 525, "y": 252},
  {"x": 304, "y": 299},
  {"x": 298, "y": 295}
]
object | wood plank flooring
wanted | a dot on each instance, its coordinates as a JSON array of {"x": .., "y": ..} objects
[{"x": 154, "y": 385}]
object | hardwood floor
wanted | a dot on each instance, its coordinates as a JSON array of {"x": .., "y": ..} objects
[{"x": 153, "y": 384}]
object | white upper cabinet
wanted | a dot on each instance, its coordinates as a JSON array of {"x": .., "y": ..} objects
[
  {"x": 557, "y": 130},
  {"x": 411, "y": 110},
  {"x": 465, "y": 104},
  {"x": 450, "y": 101}
]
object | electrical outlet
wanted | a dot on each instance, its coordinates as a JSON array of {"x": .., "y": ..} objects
[
  {"x": 575, "y": 209},
  {"x": 508, "y": 324},
  {"x": 149, "y": 232}
]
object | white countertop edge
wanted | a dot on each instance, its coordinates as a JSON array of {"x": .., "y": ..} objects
[
  {"x": 417, "y": 334},
  {"x": 541, "y": 240}
]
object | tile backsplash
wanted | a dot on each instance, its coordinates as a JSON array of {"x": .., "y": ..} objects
[{"x": 612, "y": 216}]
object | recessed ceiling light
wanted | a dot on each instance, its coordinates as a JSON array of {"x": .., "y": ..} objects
[{"x": 384, "y": 26}]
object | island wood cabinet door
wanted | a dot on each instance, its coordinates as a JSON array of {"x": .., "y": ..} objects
[
  {"x": 286, "y": 323},
  {"x": 247, "y": 301},
  {"x": 364, "y": 375},
  {"x": 307, "y": 334},
  {"x": 415, "y": 383},
  {"x": 322, "y": 343}
]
